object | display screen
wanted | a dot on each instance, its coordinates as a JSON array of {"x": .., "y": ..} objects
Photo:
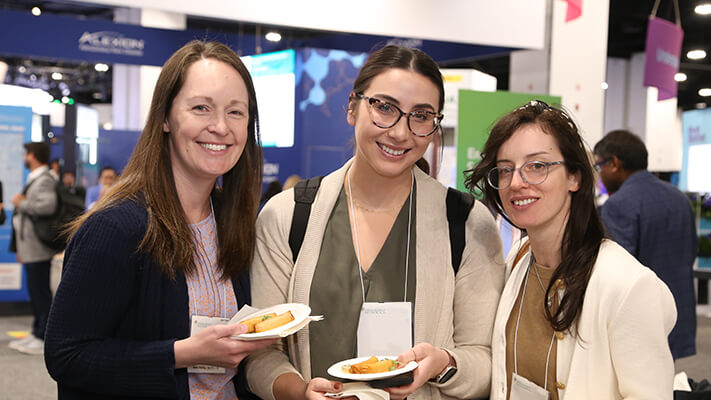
[
  {"x": 699, "y": 164},
  {"x": 274, "y": 82}
]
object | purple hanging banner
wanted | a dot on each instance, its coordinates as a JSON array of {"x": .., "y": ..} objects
[{"x": 663, "y": 50}]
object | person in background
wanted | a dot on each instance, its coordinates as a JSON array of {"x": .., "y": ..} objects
[
  {"x": 167, "y": 250},
  {"x": 70, "y": 183},
  {"x": 2, "y": 207},
  {"x": 54, "y": 169},
  {"x": 654, "y": 222},
  {"x": 37, "y": 199},
  {"x": 107, "y": 177},
  {"x": 291, "y": 181},
  {"x": 579, "y": 317},
  {"x": 273, "y": 188},
  {"x": 378, "y": 233}
]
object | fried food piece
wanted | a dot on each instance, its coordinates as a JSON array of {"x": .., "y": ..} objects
[
  {"x": 347, "y": 367},
  {"x": 252, "y": 322},
  {"x": 274, "y": 322},
  {"x": 373, "y": 367}
]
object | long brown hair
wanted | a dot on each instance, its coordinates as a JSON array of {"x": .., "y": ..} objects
[
  {"x": 583, "y": 232},
  {"x": 148, "y": 178}
]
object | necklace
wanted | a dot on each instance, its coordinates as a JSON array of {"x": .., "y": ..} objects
[
  {"x": 549, "y": 301},
  {"x": 355, "y": 234},
  {"x": 375, "y": 210}
]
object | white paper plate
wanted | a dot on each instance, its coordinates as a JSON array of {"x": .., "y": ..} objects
[
  {"x": 337, "y": 369},
  {"x": 299, "y": 311}
]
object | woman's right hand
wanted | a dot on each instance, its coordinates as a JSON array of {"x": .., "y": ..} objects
[
  {"x": 290, "y": 386},
  {"x": 317, "y": 387},
  {"x": 214, "y": 346}
]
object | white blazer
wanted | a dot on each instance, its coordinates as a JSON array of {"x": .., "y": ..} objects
[{"x": 622, "y": 350}]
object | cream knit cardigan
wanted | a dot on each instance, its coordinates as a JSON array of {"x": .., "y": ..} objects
[{"x": 455, "y": 314}]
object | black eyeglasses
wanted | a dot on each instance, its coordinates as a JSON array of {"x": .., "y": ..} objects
[
  {"x": 386, "y": 115},
  {"x": 600, "y": 163},
  {"x": 532, "y": 172}
]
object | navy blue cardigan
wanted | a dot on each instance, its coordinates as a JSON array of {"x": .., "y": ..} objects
[{"x": 115, "y": 316}]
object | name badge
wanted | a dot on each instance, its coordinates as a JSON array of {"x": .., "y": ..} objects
[
  {"x": 523, "y": 389},
  {"x": 384, "y": 329},
  {"x": 198, "y": 323}
]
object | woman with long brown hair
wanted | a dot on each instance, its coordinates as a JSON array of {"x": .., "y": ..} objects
[
  {"x": 579, "y": 317},
  {"x": 167, "y": 249}
]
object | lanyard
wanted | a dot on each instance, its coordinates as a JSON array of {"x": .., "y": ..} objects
[
  {"x": 204, "y": 260},
  {"x": 355, "y": 234},
  {"x": 518, "y": 319}
]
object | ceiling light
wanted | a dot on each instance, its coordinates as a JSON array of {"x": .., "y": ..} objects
[
  {"x": 56, "y": 76},
  {"x": 65, "y": 99},
  {"x": 703, "y": 9},
  {"x": 101, "y": 67},
  {"x": 22, "y": 69},
  {"x": 680, "y": 77},
  {"x": 604, "y": 85},
  {"x": 700, "y": 105},
  {"x": 36, "y": 11},
  {"x": 697, "y": 54},
  {"x": 705, "y": 92},
  {"x": 273, "y": 36}
]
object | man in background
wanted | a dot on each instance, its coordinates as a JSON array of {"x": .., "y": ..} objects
[
  {"x": 69, "y": 180},
  {"x": 107, "y": 177},
  {"x": 38, "y": 198},
  {"x": 654, "y": 221}
]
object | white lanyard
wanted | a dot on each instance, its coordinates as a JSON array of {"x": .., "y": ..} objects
[
  {"x": 355, "y": 234},
  {"x": 203, "y": 259},
  {"x": 518, "y": 319}
]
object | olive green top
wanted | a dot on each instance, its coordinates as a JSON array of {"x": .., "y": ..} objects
[{"x": 336, "y": 290}]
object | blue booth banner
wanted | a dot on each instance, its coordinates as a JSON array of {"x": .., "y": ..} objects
[
  {"x": 15, "y": 129},
  {"x": 66, "y": 38}
]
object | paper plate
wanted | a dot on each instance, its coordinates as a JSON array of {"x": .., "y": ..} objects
[
  {"x": 337, "y": 369},
  {"x": 299, "y": 311}
]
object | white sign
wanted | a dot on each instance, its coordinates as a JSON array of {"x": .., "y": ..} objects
[{"x": 10, "y": 276}]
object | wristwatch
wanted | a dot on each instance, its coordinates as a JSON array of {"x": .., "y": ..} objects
[{"x": 448, "y": 371}]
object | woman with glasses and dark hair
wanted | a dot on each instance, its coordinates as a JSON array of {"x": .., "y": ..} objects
[
  {"x": 579, "y": 317},
  {"x": 377, "y": 244}
]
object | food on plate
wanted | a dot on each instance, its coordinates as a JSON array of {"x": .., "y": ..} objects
[
  {"x": 371, "y": 366},
  {"x": 274, "y": 322},
  {"x": 252, "y": 322}
]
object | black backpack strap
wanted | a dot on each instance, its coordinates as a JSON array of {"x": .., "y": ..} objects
[
  {"x": 459, "y": 204},
  {"x": 304, "y": 195}
]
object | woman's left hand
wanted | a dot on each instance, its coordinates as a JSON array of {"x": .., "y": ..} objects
[{"x": 431, "y": 361}]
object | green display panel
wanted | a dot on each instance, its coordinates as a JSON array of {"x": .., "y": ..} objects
[{"x": 478, "y": 112}]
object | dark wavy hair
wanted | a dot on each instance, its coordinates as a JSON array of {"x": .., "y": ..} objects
[
  {"x": 584, "y": 231},
  {"x": 149, "y": 173}
]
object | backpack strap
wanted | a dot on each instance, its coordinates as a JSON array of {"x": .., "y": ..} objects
[
  {"x": 304, "y": 195},
  {"x": 459, "y": 204}
]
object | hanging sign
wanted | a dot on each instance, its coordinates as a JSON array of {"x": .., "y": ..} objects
[{"x": 663, "y": 50}]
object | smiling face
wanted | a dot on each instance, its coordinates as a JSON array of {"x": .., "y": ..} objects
[
  {"x": 391, "y": 152},
  {"x": 543, "y": 207},
  {"x": 207, "y": 122}
]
